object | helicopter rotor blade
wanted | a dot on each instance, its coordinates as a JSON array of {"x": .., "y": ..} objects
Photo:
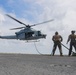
[
  {"x": 42, "y": 22},
  {"x": 16, "y": 20},
  {"x": 17, "y": 28}
]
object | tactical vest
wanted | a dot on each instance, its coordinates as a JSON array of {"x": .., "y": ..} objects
[
  {"x": 72, "y": 37},
  {"x": 56, "y": 37}
]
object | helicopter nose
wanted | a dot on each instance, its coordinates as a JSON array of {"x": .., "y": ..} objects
[{"x": 44, "y": 36}]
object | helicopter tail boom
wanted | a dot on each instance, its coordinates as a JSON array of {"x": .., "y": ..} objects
[{"x": 8, "y": 37}]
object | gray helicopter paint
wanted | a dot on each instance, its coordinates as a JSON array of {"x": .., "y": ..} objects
[
  {"x": 26, "y": 32},
  {"x": 9, "y": 37},
  {"x": 21, "y": 35}
]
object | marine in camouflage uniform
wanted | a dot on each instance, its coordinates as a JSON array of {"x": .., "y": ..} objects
[
  {"x": 72, "y": 39},
  {"x": 57, "y": 39}
]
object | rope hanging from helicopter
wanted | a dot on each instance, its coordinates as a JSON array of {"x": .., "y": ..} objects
[{"x": 37, "y": 49}]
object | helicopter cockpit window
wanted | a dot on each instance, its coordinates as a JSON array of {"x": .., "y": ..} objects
[{"x": 39, "y": 33}]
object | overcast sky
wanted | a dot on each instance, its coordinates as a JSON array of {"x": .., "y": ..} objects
[{"x": 34, "y": 11}]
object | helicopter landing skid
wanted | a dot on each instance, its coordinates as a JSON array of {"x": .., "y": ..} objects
[{"x": 31, "y": 41}]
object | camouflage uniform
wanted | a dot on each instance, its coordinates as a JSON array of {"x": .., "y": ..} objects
[
  {"x": 57, "y": 39},
  {"x": 72, "y": 39}
]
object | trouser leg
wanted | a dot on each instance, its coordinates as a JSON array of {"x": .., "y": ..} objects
[
  {"x": 60, "y": 52},
  {"x": 54, "y": 49},
  {"x": 75, "y": 47},
  {"x": 70, "y": 50},
  {"x": 60, "y": 49}
]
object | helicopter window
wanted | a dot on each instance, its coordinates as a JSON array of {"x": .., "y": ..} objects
[
  {"x": 29, "y": 34},
  {"x": 39, "y": 33}
]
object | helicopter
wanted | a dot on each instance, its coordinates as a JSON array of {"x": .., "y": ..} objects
[{"x": 26, "y": 32}]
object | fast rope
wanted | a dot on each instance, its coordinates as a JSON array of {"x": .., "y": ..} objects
[
  {"x": 37, "y": 49},
  {"x": 66, "y": 47}
]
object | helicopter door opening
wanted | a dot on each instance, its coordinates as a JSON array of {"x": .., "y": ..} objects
[
  {"x": 37, "y": 33},
  {"x": 29, "y": 34}
]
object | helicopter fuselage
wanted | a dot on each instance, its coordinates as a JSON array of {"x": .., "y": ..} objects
[{"x": 26, "y": 34}]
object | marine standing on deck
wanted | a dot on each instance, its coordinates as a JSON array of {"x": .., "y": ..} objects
[
  {"x": 72, "y": 39},
  {"x": 57, "y": 39}
]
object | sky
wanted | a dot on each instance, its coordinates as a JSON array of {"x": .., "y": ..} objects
[{"x": 35, "y": 11}]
